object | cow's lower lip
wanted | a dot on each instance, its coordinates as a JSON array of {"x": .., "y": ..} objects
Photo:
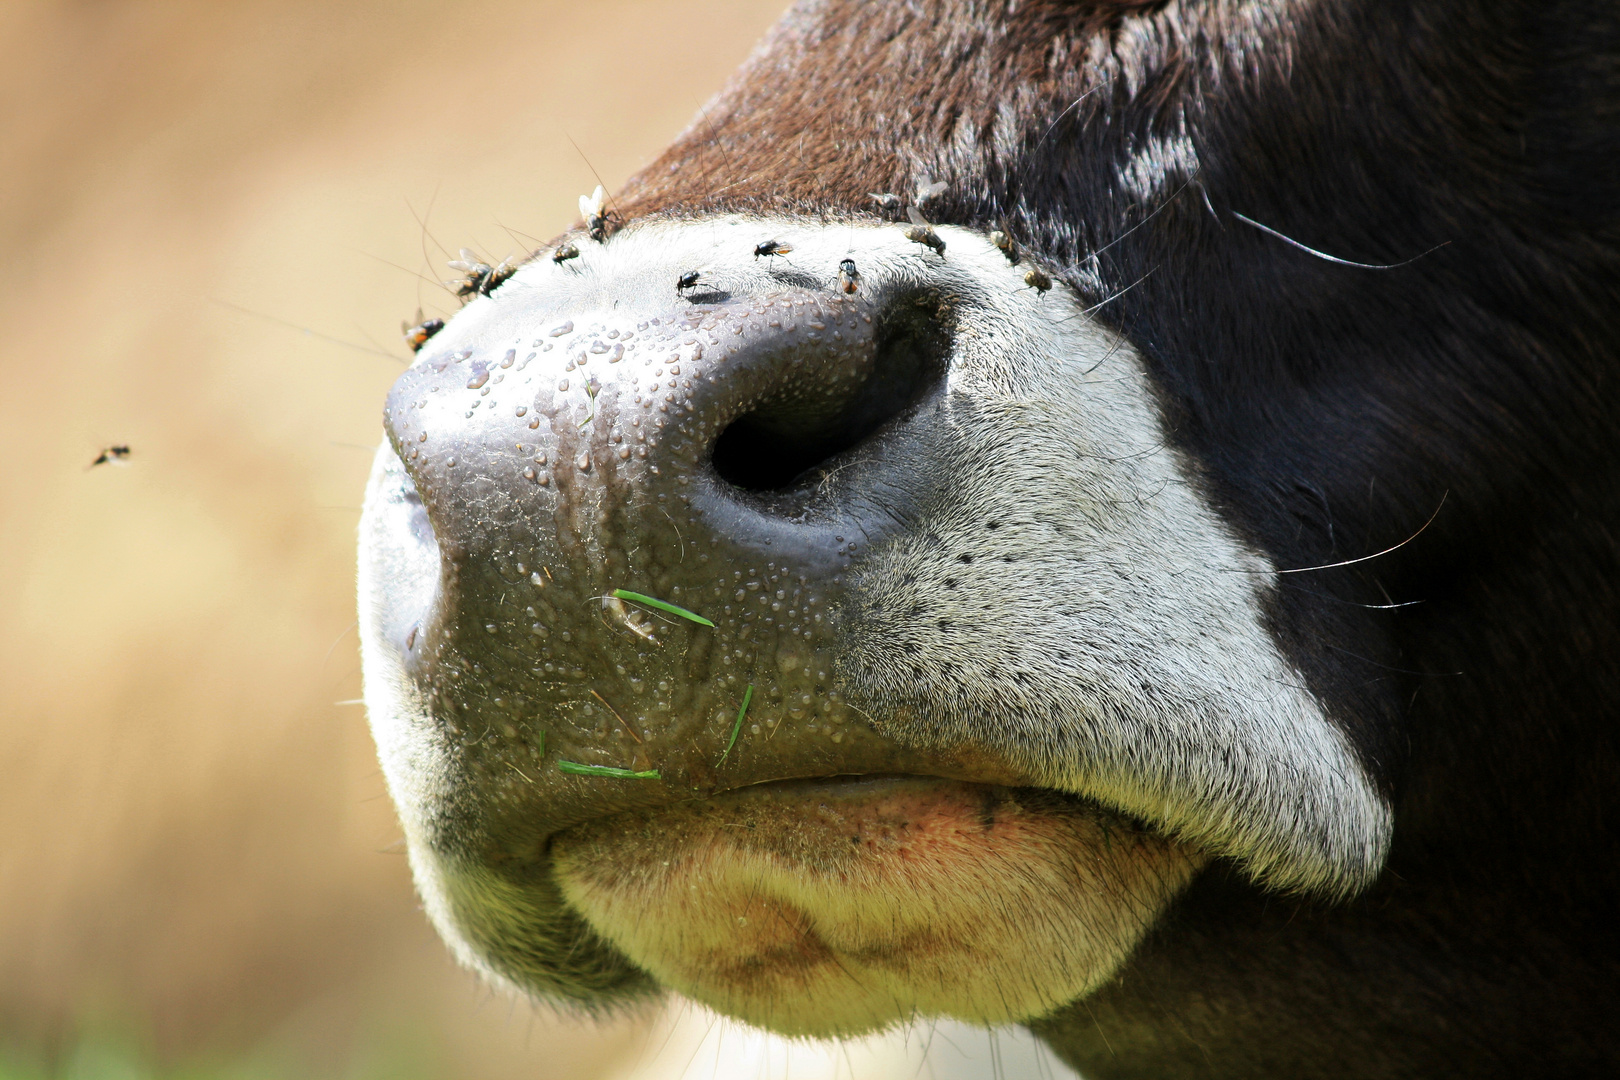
[
  {"x": 840, "y": 812},
  {"x": 869, "y": 894}
]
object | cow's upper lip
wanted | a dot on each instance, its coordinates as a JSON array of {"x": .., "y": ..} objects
[
  {"x": 986, "y": 778},
  {"x": 876, "y": 783}
]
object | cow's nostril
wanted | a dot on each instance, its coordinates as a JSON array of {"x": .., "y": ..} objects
[{"x": 793, "y": 431}]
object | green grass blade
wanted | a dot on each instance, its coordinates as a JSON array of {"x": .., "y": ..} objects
[
  {"x": 748, "y": 695},
  {"x": 661, "y": 605},
  {"x": 607, "y": 770}
]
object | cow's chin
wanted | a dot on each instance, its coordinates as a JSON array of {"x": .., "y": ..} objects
[{"x": 838, "y": 907}]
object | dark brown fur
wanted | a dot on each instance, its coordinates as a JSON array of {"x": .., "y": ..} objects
[{"x": 1333, "y": 410}]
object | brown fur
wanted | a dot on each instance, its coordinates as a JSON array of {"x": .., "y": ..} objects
[{"x": 822, "y": 117}]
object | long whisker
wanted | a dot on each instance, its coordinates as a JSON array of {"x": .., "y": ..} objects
[
  {"x": 1376, "y": 664},
  {"x": 1334, "y": 258},
  {"x": 1355, "y": 603},
  {"x": 611, "y": 204},
  {"x": 1176, "y": 195},
  {"x": 519, "y": 236},
  {"x": 417, "y": 274},
  {"x": 306, "y": 330},
  {"x": 714, "y": 141},
  {"x": 633, "y": 733},
  {"x": 1376, "y": 554},
  {"x": 1112, "y": 349},
  {"x": 422, "y": 221},
  {"x": 1111, "y": 299},
  {"x": 1074, "y": 105}
]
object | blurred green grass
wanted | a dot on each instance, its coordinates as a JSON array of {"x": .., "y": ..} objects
[
  {"x": 105, "y": 1061},
  {"x": 113, "y": 1056}
]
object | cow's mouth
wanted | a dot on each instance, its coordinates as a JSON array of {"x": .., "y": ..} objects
[{"x": 834, "y": 906}]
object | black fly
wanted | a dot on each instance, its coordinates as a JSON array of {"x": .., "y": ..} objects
[
  {"x": 1037, "y": 280},
  {"x": 930, "y": 189},
  {"x": 687, "y": 281},
  {"x": 891, "y": 203},
  {"x": 478, "y": 277},
  {"x": 563, "y": 253},
  {"x": 112, "y": 455},
  {"x": 926, "y": 236},
  {"x": 593, "y": 208},
  {"x": 1006, "y": 245},
  {"x": 772, "y": 247},
  {"x": 848, "y": 276},
  {"x": 417, "y": 336},
  {"x": 920, "y": 232}
]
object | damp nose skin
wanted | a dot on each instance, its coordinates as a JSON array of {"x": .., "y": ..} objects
[
  {"x": 589, "y": 432},
  {"x": 597, "y": 428}
]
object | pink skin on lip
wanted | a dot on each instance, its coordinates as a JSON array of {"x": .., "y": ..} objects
[{"x": 840, "y": 906}]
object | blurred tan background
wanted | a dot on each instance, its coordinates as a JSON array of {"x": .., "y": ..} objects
[{"x": 214, "y": 217}]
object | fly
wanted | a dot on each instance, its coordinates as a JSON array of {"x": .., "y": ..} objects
[
  {"x": 593, "y": 208},
  {"x": 848, "y": 276},
  {"x": 1005, "y": 245},
  {"x": 478, "y": 277},
  {"x": 920, "y": 232},
  {"x": 112, "y": 455},
  {"x": 418, "y": 335}
]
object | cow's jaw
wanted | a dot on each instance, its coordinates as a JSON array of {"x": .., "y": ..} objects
[{"x": 996, "y": 582}]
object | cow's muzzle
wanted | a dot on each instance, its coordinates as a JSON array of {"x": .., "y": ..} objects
[{"x": 635, "y": 493}]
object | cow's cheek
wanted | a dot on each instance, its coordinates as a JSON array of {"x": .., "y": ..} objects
[{"x": 838, "y": 908}]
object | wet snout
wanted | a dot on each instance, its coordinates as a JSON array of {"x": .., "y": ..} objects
[{"x": 632, "y": 482}]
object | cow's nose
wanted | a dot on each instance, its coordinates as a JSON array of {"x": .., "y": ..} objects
[
  {"x": 740, "y": 406},
  {"x": 646, "y": 490}
]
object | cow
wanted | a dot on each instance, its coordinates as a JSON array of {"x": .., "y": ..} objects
[{"x": 1099, "y": 515}]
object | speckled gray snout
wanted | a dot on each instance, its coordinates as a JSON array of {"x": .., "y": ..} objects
[{"x": 725, "y": 452}]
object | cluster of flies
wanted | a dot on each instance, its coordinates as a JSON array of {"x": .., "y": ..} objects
[
  {"x": 849, "y": 277},
  {"x": 921, "y": 231},
  {"x": 479, "y": 278},
  {"x": 1034, "y": 277}
]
